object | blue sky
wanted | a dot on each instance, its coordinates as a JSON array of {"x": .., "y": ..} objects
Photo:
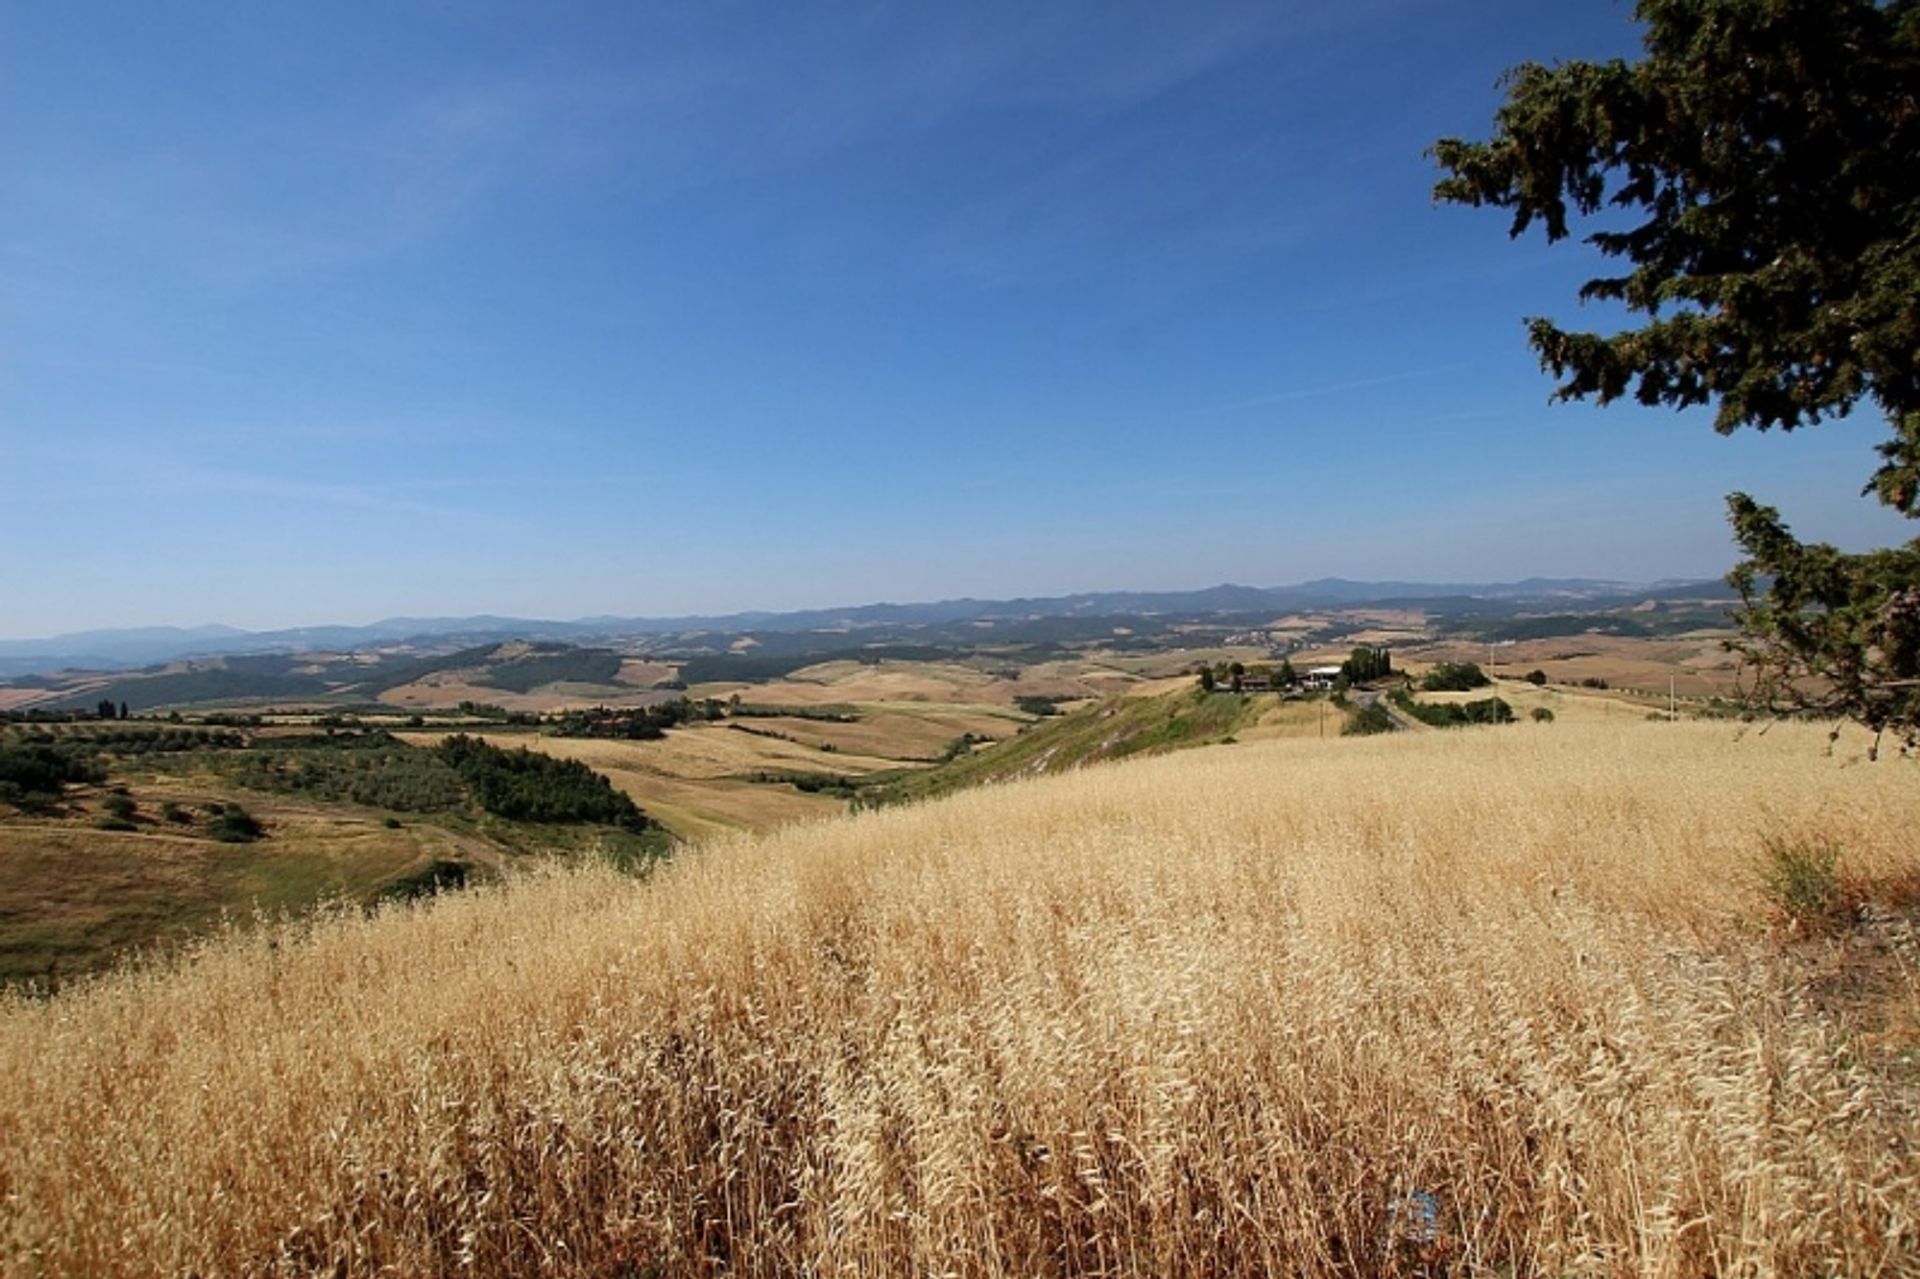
[{"x": 331, "y": 312}]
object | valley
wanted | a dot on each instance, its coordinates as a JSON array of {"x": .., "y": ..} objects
[{"x": 762, "y": 731}]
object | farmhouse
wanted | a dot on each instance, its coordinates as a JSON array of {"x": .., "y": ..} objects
[{"x": 1320, "y": 677}]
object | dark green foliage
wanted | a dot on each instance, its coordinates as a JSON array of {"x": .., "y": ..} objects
[
  {"x": 1042, "y": 707},
  {"x": 223, "y": 719},
  {"x": 809, "y": 783},
  {"x": 483, "y": 710},
  {"x": 371, "y": 768},
  {"x": 119, "y": 806},
  {"x": 1455, "y": 677},
  {"x": 1767, "y": 148},
  {"x": 574, "y": 665},
  {"x": 1832, "y": 634},
  {"x": 234, "y": 825},
  {"x": 396, "y": 671},
  {"x": 825, "y": 714},
  {"x": 1364, "y": 721},
  {"x": 1366, "y": 664},
  {"x": 1207, "y": 681},
  {"x": 115, "y": 824},
  {"x": 129, "y": 740},
  {"x": 1485, "y": 710},
  {"x": 1541, "y": 715},
  {"x": 636, "y": 723},
  {"x": 34, "y": 773},
  {"x": 1755, "y": 172},
  {"x": 525, "y": 786},
  {"x": 443, "y": 875},
  {"x": 172, "y": 812},
  {"x": 1594, "y": 681},
  {"x": 1537, "y": 678},
  {"x": 961, "y": 745},
  {"x": 213, "y": 684}
]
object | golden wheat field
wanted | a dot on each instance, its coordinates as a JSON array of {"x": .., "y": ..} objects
[{"x": 1483, "y": 1002}]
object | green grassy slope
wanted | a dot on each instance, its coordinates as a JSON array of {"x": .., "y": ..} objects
[
  {"x": 353, "y": 819},
  {"x": 1111, "y": 729}
]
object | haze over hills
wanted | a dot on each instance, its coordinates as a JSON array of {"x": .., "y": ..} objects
[{"x": 118, "y": 649}]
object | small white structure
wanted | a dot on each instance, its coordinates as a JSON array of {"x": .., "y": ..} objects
[{"x": 1320, "y": 677}]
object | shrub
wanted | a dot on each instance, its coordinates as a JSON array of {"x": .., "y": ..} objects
[
  {"x": 1455, "y": 677},
  {"x": 1365, "y": 721},
  {"x": 37, "y": 773},
  {"x": 1541, "y": 715},
  {"x": 1486, "y": 710},
  {"x": 235, "y": 825},
  {"x": 120, "y": 807},
  {"x": 172, "y": 812},
  {"x": 443, "y": 875},
  {"x": 1802, "y": 879},
  {"x": 1537, "y": 678}
]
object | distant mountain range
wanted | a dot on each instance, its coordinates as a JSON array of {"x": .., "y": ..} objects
[{"x": 109, "y": 650}]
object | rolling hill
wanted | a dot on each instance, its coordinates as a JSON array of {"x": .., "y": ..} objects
[
  {"x": 107, "y": 650},
  {"x": 1638, "y": 1007}
]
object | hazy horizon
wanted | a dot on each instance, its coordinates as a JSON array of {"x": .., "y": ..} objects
[
  {"x": 221, "y": 624},
  {"x": 369, "y": 311}
]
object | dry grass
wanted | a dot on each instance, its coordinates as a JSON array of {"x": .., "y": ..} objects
[
  {"x": 1695, "y": 665},
  {"x": 1316, "y": 719},
  {"x": 1218, "y": 1013},
  {"x": 893, "y": 732},
  {"x": 643, "y": 674},
  {"x": 1569, "y": 705},
  {"x": 695, "y": 781},
  {"x": 72, "y": 897}
]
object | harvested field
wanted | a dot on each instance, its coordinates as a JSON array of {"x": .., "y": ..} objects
[
  {"x": 1698, "y": 665},
  {"x": 449, "y": 688},
  {"x": 891, "y": 731},
  {"x": 698, "y": 781},
  {"x": 643, "y": 674}
]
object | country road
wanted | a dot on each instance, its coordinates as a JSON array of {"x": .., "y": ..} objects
[{"x": 1364, "y": 697}]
